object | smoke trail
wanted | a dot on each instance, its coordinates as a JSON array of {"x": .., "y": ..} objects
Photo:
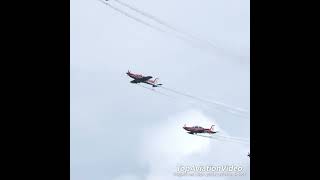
[
  {"x": 164, "y": 23},
  {"x": 216, "y": 138},
  {"x": 186, "y": 37},
  {"x": 148, "y": 24},
  {"x": 147, "y": 15},
  {"x": 230, "y": 109},
  {"x": 179, "y": 31},
  {"x": 231, "y": 140},
  {"x": 132, "y": 17},
  {"x": 171, "y": 98},
  {"x": 154, "y": 91},
  {"x": 234, "y": 138}
]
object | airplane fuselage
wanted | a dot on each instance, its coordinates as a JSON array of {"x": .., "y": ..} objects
[
  {"x": 195, "y": 130},
  {"x": 142, "y": 79}
]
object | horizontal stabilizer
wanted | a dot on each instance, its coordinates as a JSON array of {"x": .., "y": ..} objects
[{"x": 134, "y": 81}]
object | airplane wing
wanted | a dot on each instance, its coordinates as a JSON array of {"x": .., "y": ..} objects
[
  {"x": 134, "y": 81},
  {"x": 145, "y": 78}
]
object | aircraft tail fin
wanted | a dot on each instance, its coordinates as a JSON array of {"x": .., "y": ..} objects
[
  {"x": 156, "y": 80},
  {"x": 211, "y": 128}
]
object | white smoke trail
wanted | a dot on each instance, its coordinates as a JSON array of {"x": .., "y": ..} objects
[
  {"x": 164, "y": 23},
  {"x": 233, "y": 110}
]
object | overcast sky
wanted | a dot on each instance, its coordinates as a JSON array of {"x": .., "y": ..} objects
[{"x": 121, "y": 131}]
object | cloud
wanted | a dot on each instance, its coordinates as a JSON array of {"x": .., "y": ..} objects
[{"x": 166, "y": 146}]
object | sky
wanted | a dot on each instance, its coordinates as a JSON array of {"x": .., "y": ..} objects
[{"x": 122, "y": 131}]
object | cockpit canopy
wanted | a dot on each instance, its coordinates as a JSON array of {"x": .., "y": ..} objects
[{"x": 197, "y": 127}]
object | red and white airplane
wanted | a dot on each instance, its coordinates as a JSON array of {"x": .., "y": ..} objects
[
  {"x": 198, "y": 129},
  {"x": 138, "y": 78}
]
